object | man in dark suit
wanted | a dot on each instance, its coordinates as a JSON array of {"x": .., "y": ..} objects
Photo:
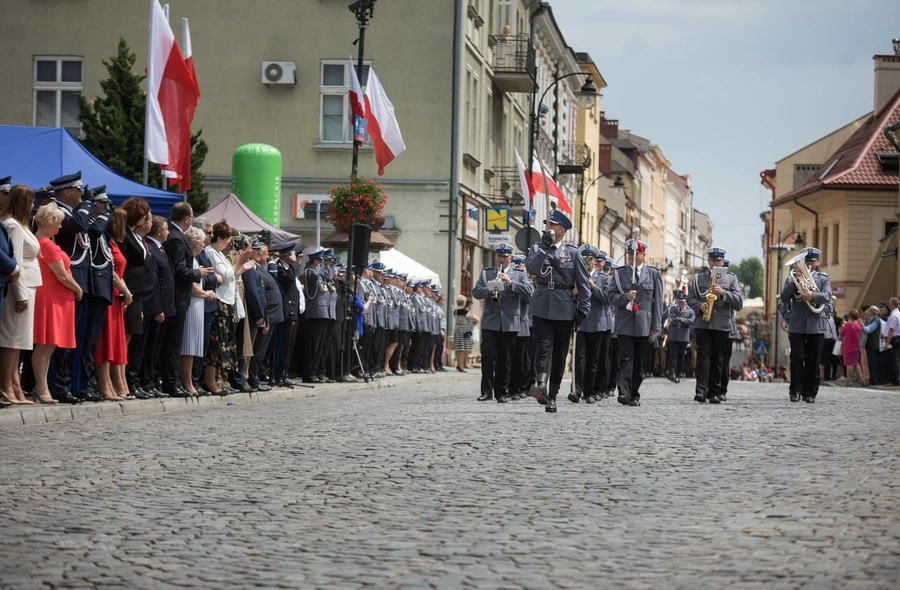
[
  {"x": 255, "y": 297},
  {"x": 158, "y": 307},
  {"x": 269, "y": 302},
  {"x": 286, "y": 275},
  {"x": 178, "y": 250}
]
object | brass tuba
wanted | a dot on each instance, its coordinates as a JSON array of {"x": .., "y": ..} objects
[
  {"x": 710, "y": 298},
  {"x": 803, "y": 280}
]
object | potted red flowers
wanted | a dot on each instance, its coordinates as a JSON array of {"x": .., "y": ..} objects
[{"x": 361, "y": 201}]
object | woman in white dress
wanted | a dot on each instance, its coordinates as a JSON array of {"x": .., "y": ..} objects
[
  {"x": 192, "y": 340},
  {"x": 17, "y": 323}
]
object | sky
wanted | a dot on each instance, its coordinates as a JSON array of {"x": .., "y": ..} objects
[{"x": 728, "y": 87}]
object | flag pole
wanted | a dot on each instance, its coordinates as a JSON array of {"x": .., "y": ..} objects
[{"x": 147, "y": 103}]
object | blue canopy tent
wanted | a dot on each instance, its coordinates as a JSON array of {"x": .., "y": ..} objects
[{"x": 36, "y": 155}]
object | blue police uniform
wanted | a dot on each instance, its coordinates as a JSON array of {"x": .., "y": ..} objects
[
  {"x": 679, "y": 319},
  {"x": 806, "y": 330},
  {"x": 562, "y": 299},
  {"x": 590, "y": 351}
]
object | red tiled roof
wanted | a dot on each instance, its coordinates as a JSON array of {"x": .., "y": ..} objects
[
  {"x": 676, "y": 179},
  {"x": 855, "y": 164}
]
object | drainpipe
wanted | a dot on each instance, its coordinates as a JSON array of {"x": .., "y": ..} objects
[
  {"x": 816, "y": 229},
  {"x": 600, "y": 226},
  {"x": 458, "y": 48}
]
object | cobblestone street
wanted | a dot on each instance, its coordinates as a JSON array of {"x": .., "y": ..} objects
[{"x": 420, "y": 486}]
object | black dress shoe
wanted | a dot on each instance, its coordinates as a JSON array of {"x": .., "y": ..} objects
[
  {"x": 809, "y": 399},
  {"x": 634, "y": 402},
  {"x": 485, "y": 397},
  {"x": 263, "y": 387},
  {"x": 550, "y": 406},
  {"x": 502, "y": 399},
  {"x": 573, "y": 397},
  {"x": 539, "y": 393},
  {"x": 177, "y": 391},
  {"x": 245, "y": 389},
  {"x": 795, "y": 397},
  {"x": 288, "y": 383},
  {"x": 66, "y": 397},
  {"x": 141, "y": 394},
  {"x": 722, "y": 397},
  {"x": 700, "y": 398},
  {"x": 624, "y": 400},
  {"x": 713, "y": 399},
  {"x": 591, "y": 399},
  {"x": 91, "y": 396},
  {"x": 676, "y": 380}
]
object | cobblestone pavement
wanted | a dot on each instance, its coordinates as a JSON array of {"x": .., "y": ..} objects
[{"x": 420, "y": 486}]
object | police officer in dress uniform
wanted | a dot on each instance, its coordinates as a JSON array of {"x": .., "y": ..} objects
[
  {"x": 807, "y": 329},
  {"x": 317, "y": 306},
  {"x": 78, "y": 210},
  {"x": 523, "y": 353},
  {"x": 501, "y": 289},
  {"x": 366, "y": 292},
  {"x": 713, "y": 336},
  {"x": 376, "y": 358},
  {"x": 589, "y": 334},
  {"x": 678, "y": 334},
  {"x": 612, "y": 356},
  {"x": 601, "y": 278},
  {"x": 560, "y": 303},
  {"x": 286, "y": 331},
  {"x": 636, "y": 294},
  {"x": 734, "y": 335},
  {"x": 100, "y": 296}
]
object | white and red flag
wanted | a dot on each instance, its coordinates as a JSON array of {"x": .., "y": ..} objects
[
  {"x": 523, "y": 179},
  {"x": 382, "y": 123},
  {"x": 357, "y": 105},
  {"x": 172, "y": 95},
  {"x": 538, "y": 181}
]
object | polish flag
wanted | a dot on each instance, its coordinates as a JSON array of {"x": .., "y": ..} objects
[
  {"x": 382, "y": 123},
  {"x": 357, "y": 106},
  {"x": 172, "y": 95},
  {"x": 523, "y": 178},
  {"x": 537, "y": 187}
]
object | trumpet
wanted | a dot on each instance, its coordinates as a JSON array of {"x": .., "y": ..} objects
[{"x": 803, "y": 280}]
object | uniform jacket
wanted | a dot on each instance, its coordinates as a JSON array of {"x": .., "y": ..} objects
[
  {"x": 178, "y": 249},
  {"x": 73, "y": 240},
  {"x": 681, "y": 319},
  {"x": 597, "y": 320},
  {"x": 405, "y": 306},
  {"x": 365, "y": 292},
  {"x": 723, "y": 308},
  {"x": 525, "y": 317},
  {"x": 317, "y": 295},
  {"x": 563, "y": 267},
  {"x": 504, "y": 314},
  {"x": 101, "y": 266},
  {"x": 649, "y": 300},
  {"x": 286, "y": 275},
  {"x": 801, "y": 319}
]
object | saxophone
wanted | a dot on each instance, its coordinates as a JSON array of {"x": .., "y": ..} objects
[{"x": 710, "y": 298}]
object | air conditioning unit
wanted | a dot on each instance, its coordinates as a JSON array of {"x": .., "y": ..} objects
[{"x": 279, "y": 72}]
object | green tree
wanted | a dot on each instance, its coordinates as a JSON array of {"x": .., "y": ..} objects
[
  {"x": 750, "y": 272},
  {"x": 198, "y": 196},
  {"x": 113, "y": 127}
]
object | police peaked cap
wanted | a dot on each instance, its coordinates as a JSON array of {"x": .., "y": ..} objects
[
  {"x": 67, "y": 181},
  {"x": 715, "y": 253},
  {"x": 557, "y": 216},
  {"x": 5, "y": 184}
]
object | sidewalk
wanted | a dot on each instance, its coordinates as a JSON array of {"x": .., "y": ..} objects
[{"x": 41, "y": 414}]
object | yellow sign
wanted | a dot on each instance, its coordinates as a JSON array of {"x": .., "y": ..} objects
[{"x": 496, "y": 219}]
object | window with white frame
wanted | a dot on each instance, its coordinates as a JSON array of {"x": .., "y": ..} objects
[
  {"x": 335, "y": 124},
  {"x": 58, "y": 81}
]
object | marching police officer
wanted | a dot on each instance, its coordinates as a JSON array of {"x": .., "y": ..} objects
[
  {"x": 523, "y": 353},
  {"x": 713, "y": 336},
  {"x": 807, "y": 326},
  {"x": 635, "y": 291},
  {"x": 502, "y": 290},
  {"x": 734, "y": 335},
  {"x": 589, "y": 334},
  {"x": 561, "y": 301},
  {"x": 678, "y": 335}
]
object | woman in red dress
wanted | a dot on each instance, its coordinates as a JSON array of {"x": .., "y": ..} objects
[
  {"x": 112, "y": 348},
  {"x": 54, "y": 300}
]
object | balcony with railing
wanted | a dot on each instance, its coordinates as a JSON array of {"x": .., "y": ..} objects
[
  {"x": 505, "y": 187},
  {"x": 515, "y": 69},
  {"x": 573, "y": 157}
]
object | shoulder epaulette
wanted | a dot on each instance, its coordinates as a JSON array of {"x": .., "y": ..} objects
[
  {"x": 824, "y": 274},
  {"x": 653, "y": 267}
]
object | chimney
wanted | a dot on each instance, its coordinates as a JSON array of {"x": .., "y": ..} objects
[
  {"x": 887, "y": 77},
  {"x": 604, "y": 159},
  {"x": 609, "y": 128}
]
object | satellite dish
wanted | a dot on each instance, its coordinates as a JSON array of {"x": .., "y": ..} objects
[{"x": 526, "y": 238}]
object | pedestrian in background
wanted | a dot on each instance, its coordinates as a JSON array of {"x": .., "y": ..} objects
[
  {"x": 464, "y": 322},
  {"x": 872, "y": 330},
  {"x": 850, "y": 347}
]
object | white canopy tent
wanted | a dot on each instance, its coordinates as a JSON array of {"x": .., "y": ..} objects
[{"x": 401, "y": 263}]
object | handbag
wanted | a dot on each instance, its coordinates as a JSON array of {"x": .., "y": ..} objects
[{"x": 838, "y": 347}]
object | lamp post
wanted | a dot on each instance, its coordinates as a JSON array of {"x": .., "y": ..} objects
[
  {"x": 586, "y": 98},
  {"x": 781, "y": 248}
]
